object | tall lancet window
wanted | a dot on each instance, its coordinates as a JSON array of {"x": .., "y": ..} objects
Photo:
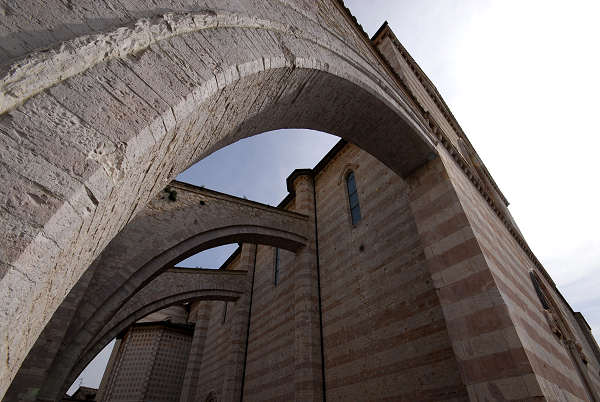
[
  {"x": 353, "y": 198},
  {"x": 276, "y": 267},
  {"x": 539, "y": 291}
]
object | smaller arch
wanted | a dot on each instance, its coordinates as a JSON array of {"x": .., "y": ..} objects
[
  {"x": 344, "y": 172},
  {"x": 174, "y": 286},
  {"x": 165, "y": 233}
]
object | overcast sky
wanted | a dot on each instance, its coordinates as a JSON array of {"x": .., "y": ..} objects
[{"x": 521, "y": 77}]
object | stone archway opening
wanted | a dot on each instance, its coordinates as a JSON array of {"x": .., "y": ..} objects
[
  {"x": 179, "y": 99},
  {"x": 167, "y": 232},
  {"x": 291, "y": 149},
  {"x": 93, "y": 372}
]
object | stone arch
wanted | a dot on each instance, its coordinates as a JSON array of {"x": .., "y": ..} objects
[
  {"x": 172, "y": 287},
  {"x": 161, "y": 235},
  {"x": 131, "y": 102}
]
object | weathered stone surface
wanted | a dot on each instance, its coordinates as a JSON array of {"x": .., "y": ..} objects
[
  {"x": 127, "y": 94},
  {"x": 304, "y": 65},
  {"x": 171, "y": 287},
  {"x": 166, "y": 232}
]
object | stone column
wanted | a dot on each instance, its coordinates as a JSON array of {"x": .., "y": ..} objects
[
  {"x": 307, "y": 343},
  {"x": 200, "y": 314},
  {"x": 238, "y": 327},
  {"x": 472, "y": 304}
]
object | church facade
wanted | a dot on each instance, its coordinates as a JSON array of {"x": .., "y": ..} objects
[
  {"x": 409, "y": 296},
  {"x": 387, "y": 329},
  {"x": 393, "y": 270}
]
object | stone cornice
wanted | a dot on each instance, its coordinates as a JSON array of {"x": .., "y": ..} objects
[
  {"x": 408, "y": 97},
  {"x": 465, "y": 166},
  {"x": 432, "y": 91}
]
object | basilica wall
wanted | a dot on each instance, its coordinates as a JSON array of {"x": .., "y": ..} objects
[
  {"x": 270, "y": 358},
  {"x": 493, "y": 313},
  {"x": 506, "y": 270},
  {"x": 382, "y": 320},
  {"x": 428, "y": 295},
  {"x": 384, "y": 331},
  {"x": 216, "y": 350}
]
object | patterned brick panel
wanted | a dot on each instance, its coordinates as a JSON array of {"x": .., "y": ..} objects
[{"x": 151, "y": 365}]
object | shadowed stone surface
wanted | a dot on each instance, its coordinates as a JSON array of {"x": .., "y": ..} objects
[
  {"x": 110, "y": 119},
  {"x": 171, "y": 287},
  {"x": 428, "y": 297},
  {"x": 156, "y": 239}
]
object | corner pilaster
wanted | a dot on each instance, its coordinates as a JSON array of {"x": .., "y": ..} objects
[
  {"x": 238, "y": 330},
  {"x": 490, "y": 356},
  {"x": 307, "y": 338}
]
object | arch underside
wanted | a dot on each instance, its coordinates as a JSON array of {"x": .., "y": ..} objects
[
  {"x": 84, "y": 155},
  {"x": 174, "y": 286},
  {"x": 113, "y": 291}
]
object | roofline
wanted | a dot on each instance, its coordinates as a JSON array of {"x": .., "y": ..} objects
[
  {"x": 289, "y": 181},
  {"x": 437, "y": 97},
  {"x": 208, "y": 192},
  {"x": 379, "y": 31}
]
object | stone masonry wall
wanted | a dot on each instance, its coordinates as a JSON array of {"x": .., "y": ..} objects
[
  {"x": 489, "y": 268},
  {"x": 270, "y": 364},
  {"x": 129, "y": 94},
  {"x": 216, "y": 349},
  {"x": 384, "y": 331},
  {"x": 510, "y": 268}
]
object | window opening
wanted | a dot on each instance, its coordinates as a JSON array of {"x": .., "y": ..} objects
[
  {"x": 353, "y": 198},
  {"x": 538, "y": 290},
  {"x": 276, "y": 267}
]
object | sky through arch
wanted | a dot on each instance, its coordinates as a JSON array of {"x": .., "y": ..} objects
[{"x": 521, "y": 79}]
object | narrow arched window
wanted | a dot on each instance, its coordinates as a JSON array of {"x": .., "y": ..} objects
[
  {"x": 276, "y": 267},
  {"x": 353, "y": 198},
  {"x": 539, "y": 291}
]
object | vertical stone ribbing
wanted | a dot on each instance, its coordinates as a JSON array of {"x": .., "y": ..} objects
[
  {"x": 307, "y": 341},
  {"x": 491, "y": 358},
  {"x": 108, "y": 371},
  {"x": 200, "y": 314},
  {"x": 238, "y": 329}
]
